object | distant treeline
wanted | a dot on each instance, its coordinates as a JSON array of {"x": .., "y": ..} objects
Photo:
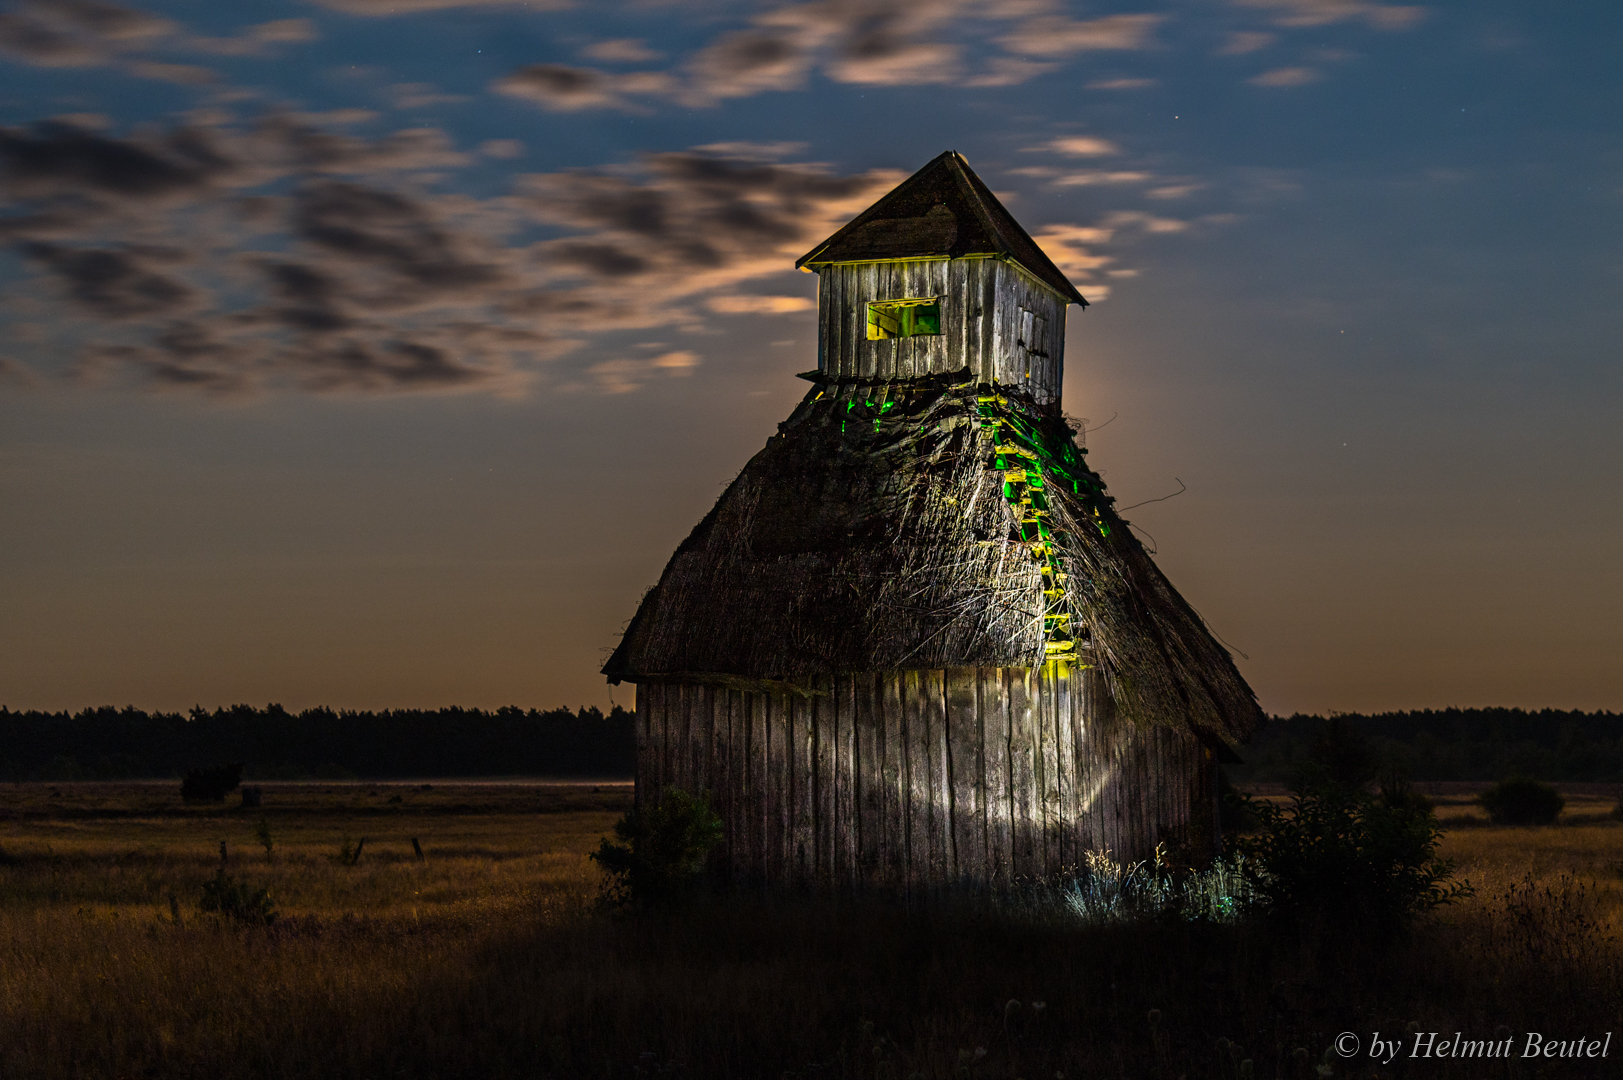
[
  {"x": 120, "y": 744},
  {"x": 1455, "y": 744}
]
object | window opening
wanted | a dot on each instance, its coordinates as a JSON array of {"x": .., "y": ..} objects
[{"x": 914, "y": 317}]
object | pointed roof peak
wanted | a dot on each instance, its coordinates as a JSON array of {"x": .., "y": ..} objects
[{"x": 942, "y": 211}]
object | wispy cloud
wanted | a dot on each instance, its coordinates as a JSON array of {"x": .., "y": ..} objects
[
  {"x": 1241, "y": 42},
  {"x": 759, "y": 305},
  {"x": 562, "y": 88},
  {"x": 385, "y": 8},
  {"x": 1078, "y": 146},
  {"x": 1123, "y": 84},
  {"x": 1322, "y": 12},
  {"x": 622, "y": 51},
  {"x": 1055, "y": 35},
  {"x": 1286, "y": 77}
]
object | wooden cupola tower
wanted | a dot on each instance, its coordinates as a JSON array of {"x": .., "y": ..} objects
[{"x": 913, "y": 646}]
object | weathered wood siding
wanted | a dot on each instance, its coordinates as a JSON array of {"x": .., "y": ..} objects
[
  {"x": 997, "y": 319},
  {"x": 916, "y": 780}
]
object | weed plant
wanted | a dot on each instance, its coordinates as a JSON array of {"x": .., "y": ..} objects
[{"x": 237, "y": 900}]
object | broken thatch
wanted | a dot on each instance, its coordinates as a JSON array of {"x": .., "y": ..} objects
[{"x": 921, "y": 524}]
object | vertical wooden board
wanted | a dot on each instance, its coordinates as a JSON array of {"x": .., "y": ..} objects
[
  {"x": 1087, "y": 766},
  {"x": 704, "y": 716},
  {"x": 822, "y": 320},
  {"x": 916, "y": 796},
  {"x": 963, "y": 743},
  {"x": 893, "y": 789},
  {"x": 869, "y": 804},
  {"x": 721, "y": 760},
  {"x": 667, "y": 706},
  {"x": 986, "y": 271},
  {"x": 1065, "y": 764},
  {"x": 755, "y": 708},
  {"x": 773, "y": 792},
  {"x": 639, "y": 778},
  {"x": 1053, "y": 779},
  {"x": 937, "y": 820},
  {"x": 803, "y": 843},
  {"x": 822, "y": 782},
  {"x": 1025, "y": 807},
  {"x": 845, "y": 797},
  {"x": 676, "y": 735},
  {"x": 843, "y": 320},
  {"x": 1002, "y": 690}
]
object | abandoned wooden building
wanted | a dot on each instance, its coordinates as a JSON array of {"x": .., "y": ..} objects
[{"x": 913, "y": 645}]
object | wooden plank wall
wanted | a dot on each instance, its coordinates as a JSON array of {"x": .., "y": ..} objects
[
  {"x": 915, "y": 780},
  {"x": 980, "y": 314}
]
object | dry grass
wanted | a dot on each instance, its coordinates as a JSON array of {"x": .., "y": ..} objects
[{"x": 486, "y": 959}]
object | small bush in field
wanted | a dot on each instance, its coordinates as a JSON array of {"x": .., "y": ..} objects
[
  {"x": 212, "y": 784},
  {"x": 661, "y": 851},
  {"x": 1520, "y": 801},
  {"x": 1341, "y": 853},
  {"x": 237, "y": 901}
]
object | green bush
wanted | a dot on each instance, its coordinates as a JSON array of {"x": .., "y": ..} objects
[
  {"x": 662, "y": 850},
  {"x": 1339, "y": 853},
  {"x": 237, "y": 901},
  {"x": 1520, "y": 801}
]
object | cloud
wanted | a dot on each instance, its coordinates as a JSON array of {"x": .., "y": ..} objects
[
  {"x": 561, "y": 88},
  {"x": 502, "y": 149},
  {"x": 622, "y": 376},
  {"x": 1089, "y": 177},
  {"x": 77, "y": 33},
  {"x": 57, "y": 159},
  {"x": 256, "y": 40},
  {"x": 384, "y": 8},
  {"x": 1242, "y": 42},
  {"x": 361, "y": 284},
  {"x": 621, "y": 51},
  {"x": 1123, "y": 84},
  {"x": 1055, "y": 35},
  {"x": 752, "y": 151},
  {"x": 300, "y": 146},
  {"x": 18, "y": 374},
  {"x": 1322, "y": 12},
  {"x": 1290, "y": 76},
  {"x": 1010, "y": 71},
  {"x": 114, "y": 284},
  {"x": 688, "y": 225},
  {"x": 748, "y": 62},
  {"x": 760, "y": 305},
  {"x": 1174, "y": 191},
  {"x": 179, "y": 74},
  {"x": 888, "y": 63},
  {"x": 1078, "y": 146},
  {"x": 418, "y": 95}
]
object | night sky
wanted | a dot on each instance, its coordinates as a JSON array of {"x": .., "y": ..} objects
[{"x": 371, "y": 353}]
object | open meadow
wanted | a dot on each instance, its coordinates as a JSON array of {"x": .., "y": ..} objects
[{"x": 487, "y": 957}]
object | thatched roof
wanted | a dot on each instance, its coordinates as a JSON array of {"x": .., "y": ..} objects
[
  {"x": 941, "y": 211},
  {"x": 889, "y": 526}
]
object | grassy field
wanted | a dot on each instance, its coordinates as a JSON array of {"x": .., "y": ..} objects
[{"x": 486, "y": 958}]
